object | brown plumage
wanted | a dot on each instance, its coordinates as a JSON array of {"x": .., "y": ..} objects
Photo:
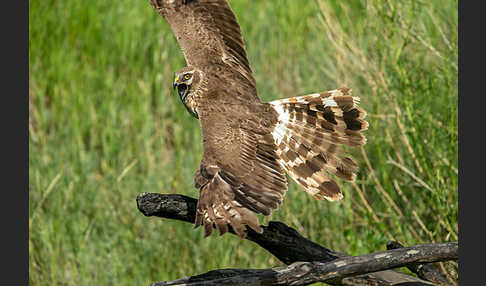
[{"x": 248, "y": 144}]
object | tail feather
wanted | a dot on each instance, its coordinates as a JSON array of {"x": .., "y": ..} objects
[
  {"x": 309, "y": 134},
  {"x": 310, "y": 148}
]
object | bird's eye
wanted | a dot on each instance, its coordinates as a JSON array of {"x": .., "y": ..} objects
[{"x": 187, "y": 76}]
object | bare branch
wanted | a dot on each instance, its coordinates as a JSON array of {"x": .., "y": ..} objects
[
  {"x": 283, "y": 242},
  {"x": 427, "y": 272},
  {"x": 290, "y": 247},
  {"x": 304, "y": 273}
]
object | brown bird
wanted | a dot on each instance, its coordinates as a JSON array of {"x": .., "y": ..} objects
[{"x": 247, "y": 143}]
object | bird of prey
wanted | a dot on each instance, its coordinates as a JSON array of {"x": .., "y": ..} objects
[{"x": 249, "y": 145}]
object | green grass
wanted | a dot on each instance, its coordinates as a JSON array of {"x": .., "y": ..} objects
[{"x": 105, "y": 126}]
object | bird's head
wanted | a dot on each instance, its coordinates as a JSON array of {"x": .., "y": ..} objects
[{"x": 188, "y": 81}]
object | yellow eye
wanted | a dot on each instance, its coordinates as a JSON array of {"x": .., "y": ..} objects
[{"x": 187, "y": 76}]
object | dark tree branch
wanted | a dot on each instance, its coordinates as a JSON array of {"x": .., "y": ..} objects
[
  {"x": 283, "y": 242},
  {"x": 304, "y": 273},
  {"x": 427, "y": 272},
  {"x": 289, "y": 246}
]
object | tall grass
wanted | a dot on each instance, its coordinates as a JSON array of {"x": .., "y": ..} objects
[{"x": 105, "y": 125}]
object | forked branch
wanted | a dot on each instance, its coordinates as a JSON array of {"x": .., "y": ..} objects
[{"x": 307, "y": 261}]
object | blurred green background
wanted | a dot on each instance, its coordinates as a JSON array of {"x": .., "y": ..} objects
[{"x": 105, "y": 125}]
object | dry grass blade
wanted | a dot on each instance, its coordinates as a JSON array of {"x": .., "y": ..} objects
[
  {"x": 410, "y": 173},
  {"x": 368, "y": 207},
  {"x": 379, "y": 187}
]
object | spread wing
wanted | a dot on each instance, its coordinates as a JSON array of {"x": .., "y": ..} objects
[
  {"x": 238, "y": 176},
  {"x": 208, "y": 33}
]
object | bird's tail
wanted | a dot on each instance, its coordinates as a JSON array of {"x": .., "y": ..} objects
[{"x": 309, "y": 134}]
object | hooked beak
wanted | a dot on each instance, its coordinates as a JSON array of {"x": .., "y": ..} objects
[{"x": 176, "y": 79}]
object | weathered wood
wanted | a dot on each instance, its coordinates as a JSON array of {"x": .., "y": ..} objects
[
  {"x": 304, "y": 273},
  {"x": 283, "y": 242},
  {"x": 427, "y": 272},
  {"x": 287, "y": 245}
]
